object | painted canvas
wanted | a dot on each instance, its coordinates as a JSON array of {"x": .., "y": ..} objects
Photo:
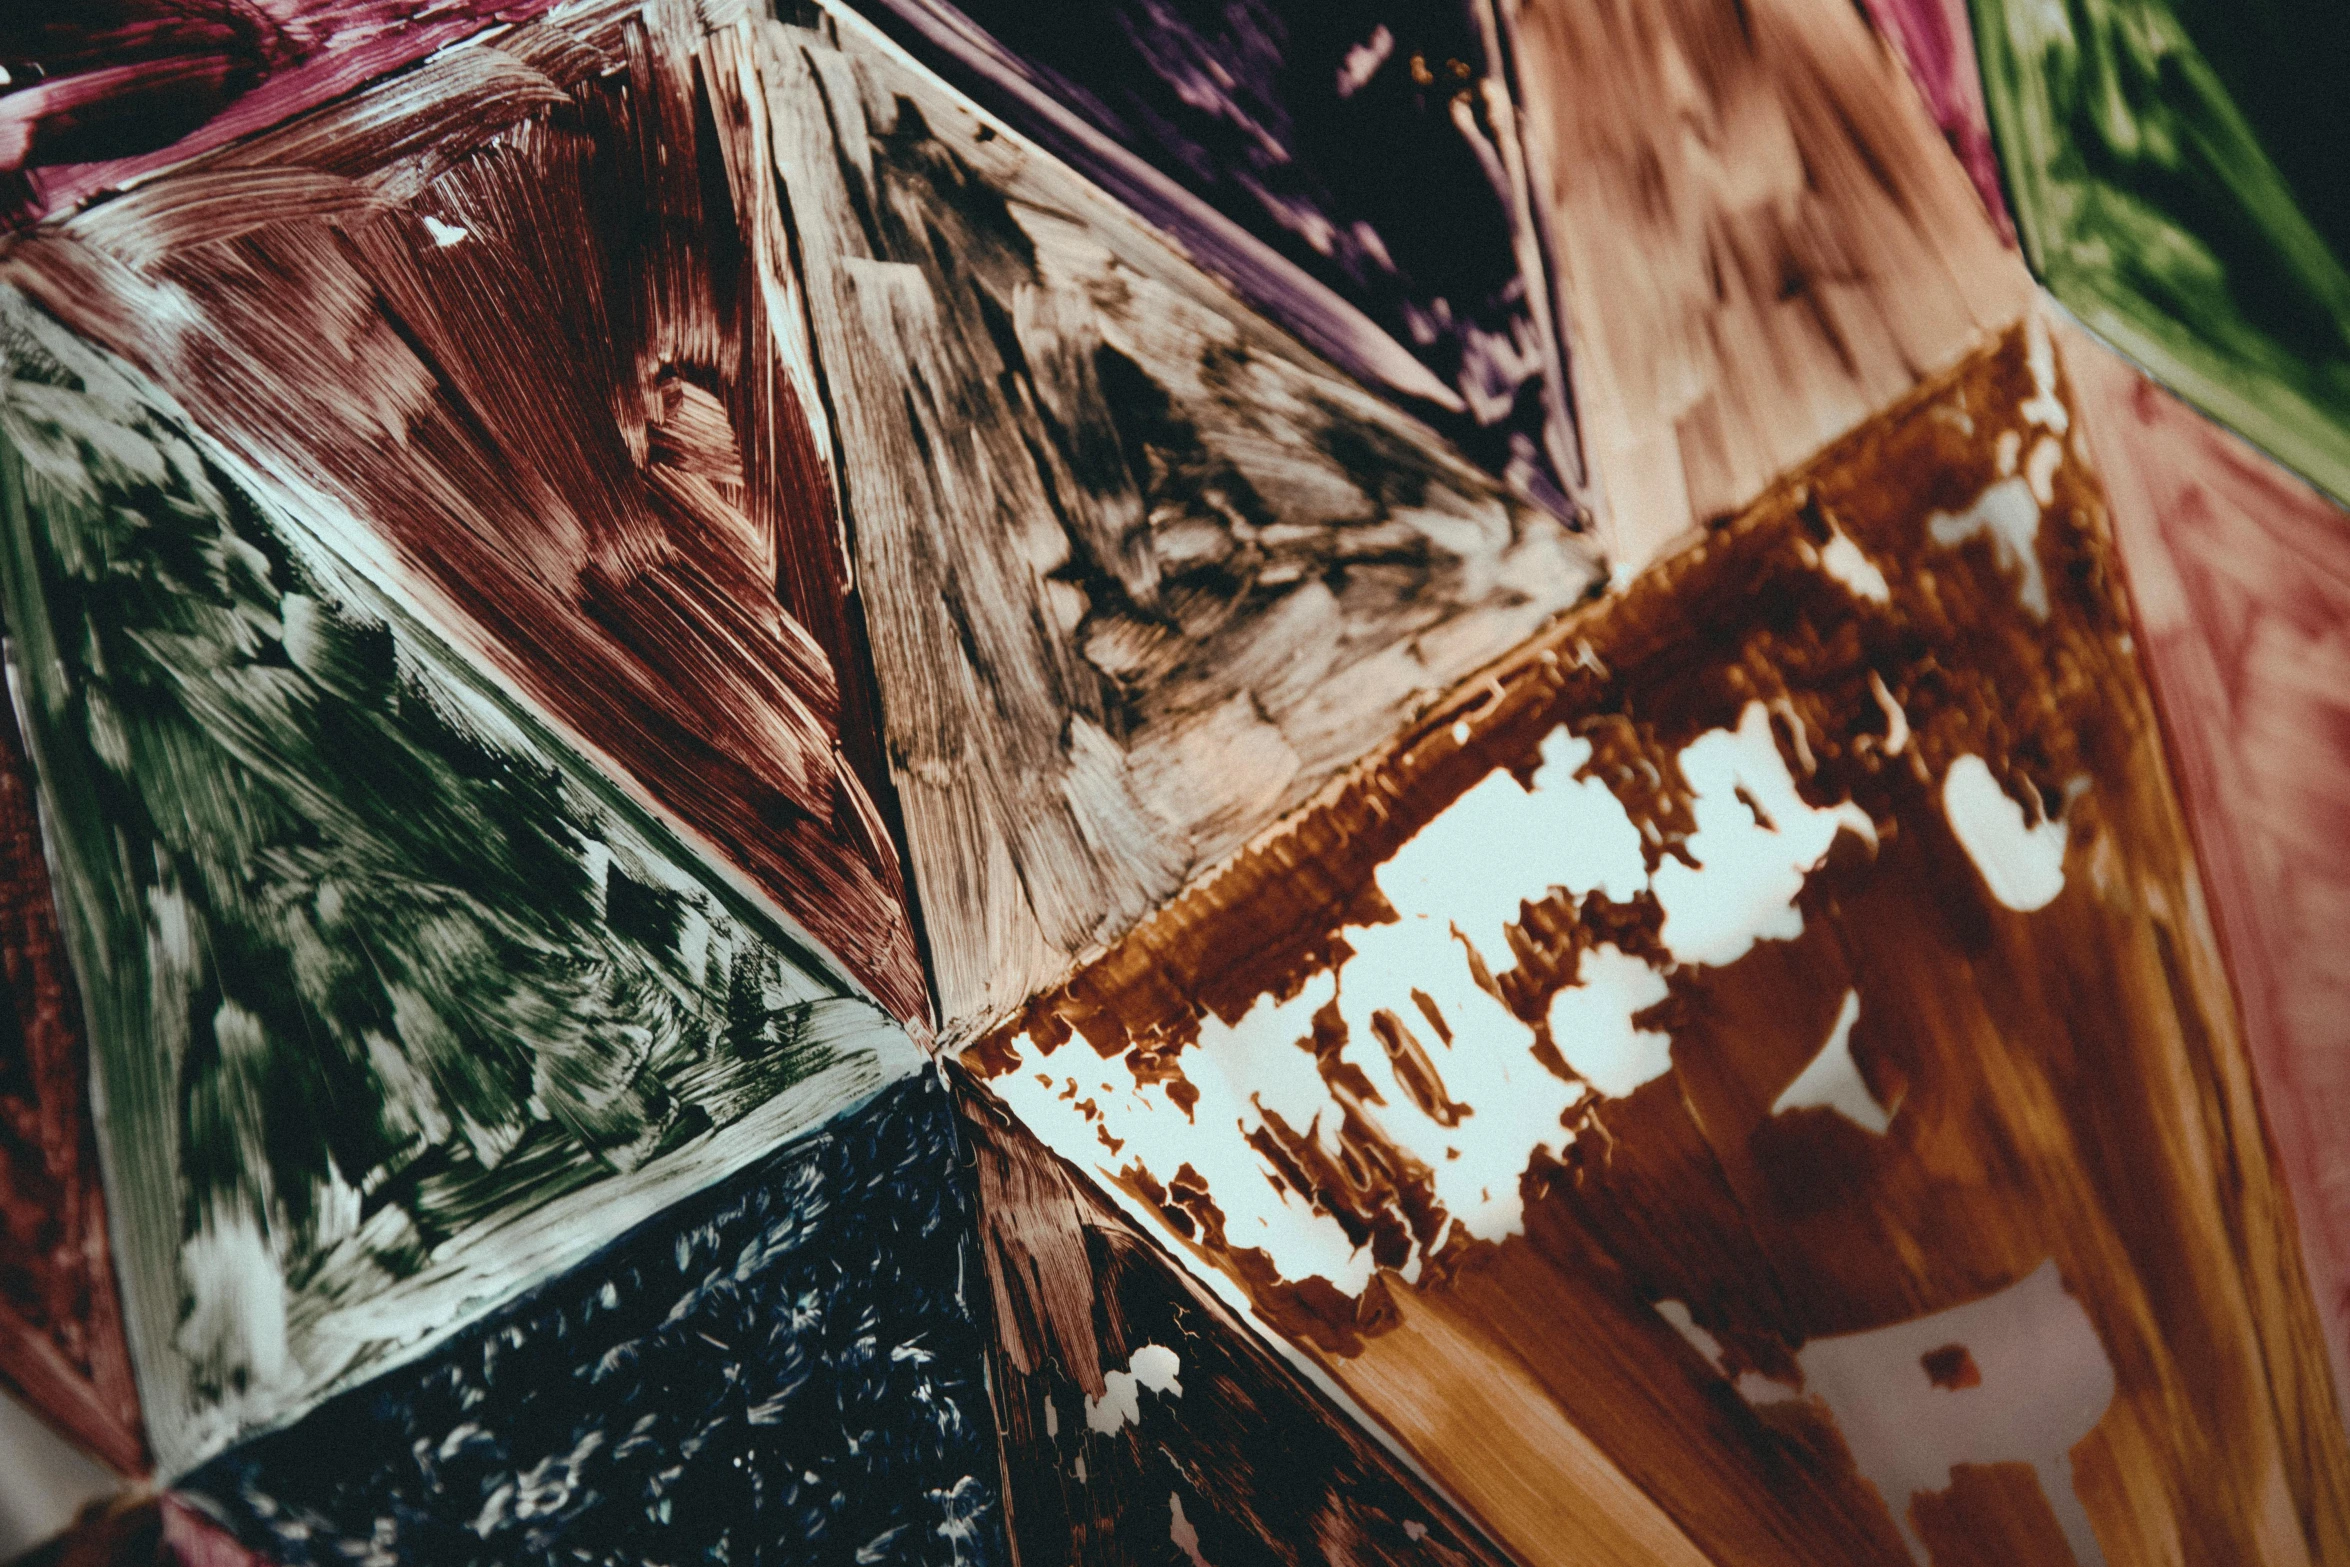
[{"x": 1504, "y": 783}]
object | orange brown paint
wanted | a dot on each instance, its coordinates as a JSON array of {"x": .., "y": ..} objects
[{"x": 2064, "y": 1084}]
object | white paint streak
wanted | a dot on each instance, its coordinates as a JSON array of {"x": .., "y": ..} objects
[
  {"x": 2022, "y": 863},
  {"x": 445, "y": 234},
  {"x": 1832, "y": 1081},
  {"x": 1153, "y": 1366},
  {"x": 2009, "y": 515},
  {"x": 1847, "y": 563}
]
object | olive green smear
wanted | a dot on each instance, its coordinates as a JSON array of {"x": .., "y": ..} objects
[
  {"x": 394, "y": 1002},
  {"x": 2179, "y": 182}
]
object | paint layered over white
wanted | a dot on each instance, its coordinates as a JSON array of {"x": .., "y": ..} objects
[
  {"x": 1486, "y": 1104},
  {"x": 1153, "y": 1366},
  {"x": 1832, "y": 1080},
  {"x": 2046, "y": 1382},
  {"x": 2020, "y": 861},
  {"x": 2009, "y": 515}
]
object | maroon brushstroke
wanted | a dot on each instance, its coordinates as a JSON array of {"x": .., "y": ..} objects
[
  {"x": 61, "y": 1343},
  {"x": 104, "y": 92},
  {"x": 1936, "y": 42}
]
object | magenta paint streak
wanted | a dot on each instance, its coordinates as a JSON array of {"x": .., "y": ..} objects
[
  {"x": 1936, "y": 42},
  {"x": 98, "y": 89}
]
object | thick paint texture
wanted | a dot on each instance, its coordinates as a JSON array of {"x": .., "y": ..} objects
[
  {"x": 61, "y": 1343},
  {"x": 1735, "y": 1162},
  {"x": 1141, "y": 573},
  {"x": 2240, "y": 575},
  {"x": 566, "y": 414},
  {"x": 99, "y": 93},
  {"x": 2178, "y": 185},
  {"x": 1353, "y": 172},
  {"x": 394, "y": 1003},
  {"x": 786, "y": 1368},
  {"x": 1127, "y": 1396},
  {"x": 1760, "y": 239}
]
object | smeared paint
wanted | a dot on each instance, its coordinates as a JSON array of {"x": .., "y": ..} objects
[
  {"x": 1278, "y": 1471},
  {"x": 1832, "y": 1080},
  {"x": 785, "y": 1368},
  {"x": 2044, "y": 1380},
  {"x": 395, "y": 1004},
  {"x": 44, "y": 1480},
  {"x": 583, "y": 440},
  {"x": 1408, "y": 1034},
  {"x": 2007, "y": 514},
  {"x": 2021, "y": 861},
  {"x": 1353, "y": 174},
  {"x": 1141, "y": 573},
  {"x": 1759, "y": 242},
  {"x": 1154, "y": 1366},
  {"x": 2176, "y": 183},
  {"x": 1937, "y": 43}
]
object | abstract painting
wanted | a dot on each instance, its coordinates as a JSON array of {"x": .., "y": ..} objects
[{"x": 1503, "y": 783}]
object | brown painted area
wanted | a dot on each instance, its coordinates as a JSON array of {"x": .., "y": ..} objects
[
  {"x": 1269, "y": 1474},
  {"x": 141, "y": 1529},
  {"x": 61, "y": 1341},
  {"x": 1760, "y": 236},
  {"x": 2067, "y": 1084},
  {"x": 2240, "y": 577},
  {"x": 522, "y": 319}
]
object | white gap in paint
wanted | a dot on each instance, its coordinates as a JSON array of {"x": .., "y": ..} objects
[
  {"x": 2005, "y": 449},
  {"x": 2022, "y": 864},
  {"x": 1833, "y": 1082},
  {"x": 1179, "y": 1530},
  {"x": 2009, "y": 515},
  {"x": 1846, "y": 562},
  {"x": 1591, "y": 1022},
  {"x": 2045, "y": 1382},
  {"x": 1153, "y": 1366},
  {"x": 445, "y": 234},
  {"x": 1752, "y": 1386},
  {"x": 2042, "y": 408},
  {"x": 1756, "y": 842},
  {"x": 2040, "y": 470},
  {"x": 1456, "y": 887},
  {"x": 1896, "y": 721}
]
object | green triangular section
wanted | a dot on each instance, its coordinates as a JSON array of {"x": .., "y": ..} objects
[{"x": 395, "y": 1003}]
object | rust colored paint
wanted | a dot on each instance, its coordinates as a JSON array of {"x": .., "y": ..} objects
[
  {"x": 2240, "y": 575},
  {"x": 61, "y": 1339},
  {"x": 1708, "y": 1292},
  {"x": 1760, "y": 240},
  {"x": 1267, "y": 1471},
  {"x": 568, "y": 409}
]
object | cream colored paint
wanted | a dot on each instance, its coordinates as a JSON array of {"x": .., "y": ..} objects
[{"x": 2022, "y": 863}]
